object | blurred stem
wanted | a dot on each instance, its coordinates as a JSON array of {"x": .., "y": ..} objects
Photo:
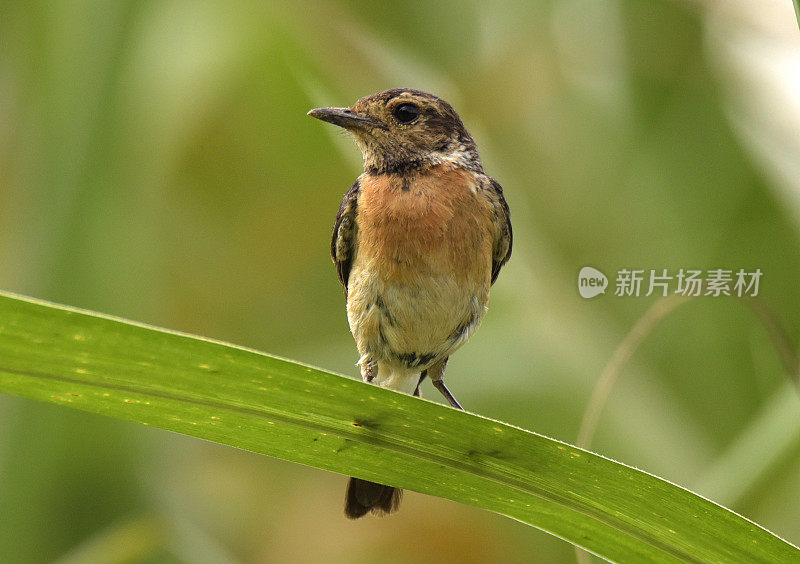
[
  {"x": 621, "y": 355},
  {"x": 780, "y": 338},
  {"x": 783, "y": 343}
]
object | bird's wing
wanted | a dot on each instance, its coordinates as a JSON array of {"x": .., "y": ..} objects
[
  {"x": 501, "y": 250},
  {"x": 343, "y": 242}
]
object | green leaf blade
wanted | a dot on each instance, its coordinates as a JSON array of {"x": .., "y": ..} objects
[{"x": 277, "y": 407}]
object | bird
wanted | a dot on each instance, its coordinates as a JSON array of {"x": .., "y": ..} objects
[{"x": 418, "y": 241}]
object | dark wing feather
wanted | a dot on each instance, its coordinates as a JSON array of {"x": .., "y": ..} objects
[
  {"x": 503, "y": 236},
  {"x": 343, "y": 242}
]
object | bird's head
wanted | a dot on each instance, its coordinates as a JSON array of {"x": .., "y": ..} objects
[{"x": 403, "y": 129}]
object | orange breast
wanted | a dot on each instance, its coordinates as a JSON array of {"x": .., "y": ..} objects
[{"x": 426, "y": 223}]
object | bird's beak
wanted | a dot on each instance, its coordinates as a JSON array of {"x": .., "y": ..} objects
[{"x": 344, "y": 117}]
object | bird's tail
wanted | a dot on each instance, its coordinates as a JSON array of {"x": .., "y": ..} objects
[{"x": 364, "y": 496}]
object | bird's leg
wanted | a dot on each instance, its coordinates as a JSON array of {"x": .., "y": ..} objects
[
  {"x": 417, "y": 392},
  {"x": 439, "y": 384},
  {"x": 436, "y": 372},
  {"x": 369, "y": 369}
]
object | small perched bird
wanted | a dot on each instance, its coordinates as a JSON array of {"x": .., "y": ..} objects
[{"x": 418, "y": 241}]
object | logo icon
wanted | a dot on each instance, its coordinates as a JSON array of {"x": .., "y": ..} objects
[{"x": 591, "y": 282}]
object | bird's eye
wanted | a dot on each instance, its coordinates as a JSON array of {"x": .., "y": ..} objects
[{"x": 406, "y": 113}]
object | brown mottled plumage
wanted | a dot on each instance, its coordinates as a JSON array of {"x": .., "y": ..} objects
[{"x": 418, "y": 241}]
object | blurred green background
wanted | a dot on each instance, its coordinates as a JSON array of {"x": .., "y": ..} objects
[{"x": 156, "y": 163}]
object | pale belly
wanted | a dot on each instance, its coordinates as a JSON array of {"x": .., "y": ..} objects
[{"x": 412, "y": 324}]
